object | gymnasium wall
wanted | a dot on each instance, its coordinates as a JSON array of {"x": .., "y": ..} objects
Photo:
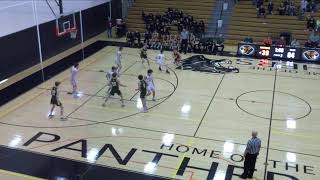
[{"x": 20, "y": 50}]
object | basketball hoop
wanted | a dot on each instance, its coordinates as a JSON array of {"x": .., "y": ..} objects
[
  {"x": 66, "y": 23},
  {"x": 73, "y": 33}
]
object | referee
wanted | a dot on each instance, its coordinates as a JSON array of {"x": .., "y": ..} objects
[{"x": 251, "y": 153}]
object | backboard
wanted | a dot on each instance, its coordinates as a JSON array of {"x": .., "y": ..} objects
[{"x": 65, "y": 24}]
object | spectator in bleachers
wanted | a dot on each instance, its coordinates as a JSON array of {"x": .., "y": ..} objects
[
  {"x": 202, "y": 28},
  {"x": 248, "y": 39},
  {"x": 317, "y": 25},
  {"x": 311, "y": 23},
  {"x": 130, "y": 39},
  {"x": 262, "y": 12},
  {"x": 281, "y": 9},
  {"x": 121, "y": 28},
  {"x": 267, "y": 41},
  {"x": 270, "y": 7},
  {"x": 259, "y": 3},
  {"x": 311, "y": 6},
  {"x": 147, "y": 37},
  {"x": 295, "y": 43},
  {"x": 281, "y": 42},
  {"x": 303, "y": 5},
  {"x": 291, "y": 9},
  {"x": 184, "y": 40},
  {"x": 137, "y": 37},
  {"x": 218, "y": 45},
  {"x": 314, "y": 38},
  {"x": 308, "y": 44}
]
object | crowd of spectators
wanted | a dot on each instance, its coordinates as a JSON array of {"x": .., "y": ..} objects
[
  {"x": 171, "y": 42},
  {"x": 286, "y": 7},
  {"x": 189, "y": 37},
  {"x": 172, "y": 17}
]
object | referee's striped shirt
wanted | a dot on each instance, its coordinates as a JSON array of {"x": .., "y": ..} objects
[{"x": 253, "y": 146}]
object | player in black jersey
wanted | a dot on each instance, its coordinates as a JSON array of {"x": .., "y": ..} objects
[
  {"x": 142, "y": 87},
  {"x": 143, "y": 54},
  {"x": 55, "y": 101},
  {"x": 114, "y": 83}
]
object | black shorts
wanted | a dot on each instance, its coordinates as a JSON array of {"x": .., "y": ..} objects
[
  {"x": 115, "y": 91},
  {"x": 56, "y": 102},
  {"x": 143, "y": 56},
  {"x": 143, "y": 95}
]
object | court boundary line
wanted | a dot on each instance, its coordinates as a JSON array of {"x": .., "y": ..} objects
[
  {"x": 205, "y": 113},
  {"x": 90, "y": 97},
  {"x": 283, "y": 76},
  {"x": 270, "y": 124}
]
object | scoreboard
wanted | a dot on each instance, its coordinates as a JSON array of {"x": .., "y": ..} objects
[
  {"x": 285, "y": 53},
  {"x": 274, "y": 52}
]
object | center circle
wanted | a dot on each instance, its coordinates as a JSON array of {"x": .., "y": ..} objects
[{"x": 285, "y": 106}]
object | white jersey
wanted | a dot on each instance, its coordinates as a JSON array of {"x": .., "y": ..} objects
[
  {"x": 74, "y": 72},
  {"x": 118, "y": 57},
  {"x": 160, "y": 59},
  {"x": 150, "y": 85},
  {"x": 109, "y": 74},
  {"x": 149, "y": 80}
]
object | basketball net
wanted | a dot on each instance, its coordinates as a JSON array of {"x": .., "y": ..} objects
[{"x": 73, "y": 33}]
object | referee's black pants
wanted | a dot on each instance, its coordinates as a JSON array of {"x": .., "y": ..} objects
[
  {"x": 249, "y": 165},
  {"x": 184, "y": 45}
]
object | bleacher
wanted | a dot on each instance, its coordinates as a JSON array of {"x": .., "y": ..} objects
[
  {"x": 200, "y": 10},
  {"x": 244, "y": 22}
]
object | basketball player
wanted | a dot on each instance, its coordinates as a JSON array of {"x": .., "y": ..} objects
[
  {"x": 150, "y": 84},
  {"x": 177, "y": 57},
  {"x": 73, "y": 79},
  {"x": 143, "y": 54},
  {"x": 55, "y": 101},
  {"x": 161, "y": 61},
  {"x": 111, "y": 72},
  {"x": 119, "y": 59},
  {"x": 142, "y": 87},
  {"x": 114, "y": 83},
  {"x": 109, "y": 76}
]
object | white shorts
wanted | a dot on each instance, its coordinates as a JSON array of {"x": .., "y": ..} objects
[
  {"x": 160, "y": 62},
  {"x": 73, "y": 82},
  {"x": 151, "y": 88},
  {"x": 118, "y": 63}
]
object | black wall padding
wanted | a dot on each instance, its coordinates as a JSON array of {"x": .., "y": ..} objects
[{"x": 19, "y": 51}]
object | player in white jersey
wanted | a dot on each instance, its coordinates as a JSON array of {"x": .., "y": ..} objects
[
  {"x": 110, "y": 72},
  {"x": 161, "y": 61},
  {"x": 73, "y": 79},
  {"x": 150, "y": 84},
  {"x": 119, "y": 59}
]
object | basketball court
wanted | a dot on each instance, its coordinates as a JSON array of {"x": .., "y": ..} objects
[{"x": 196, "y": 129}]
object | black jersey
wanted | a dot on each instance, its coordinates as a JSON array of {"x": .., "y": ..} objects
[
  {"x": 143, "y": 88},
  {"x": 54, "y": 96},
  {"x": 114, "y": 87},
  {"x": 114, "y": 84},
  {"x": 143, "y": 53},
  {"x": 54, "y": 92}
]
